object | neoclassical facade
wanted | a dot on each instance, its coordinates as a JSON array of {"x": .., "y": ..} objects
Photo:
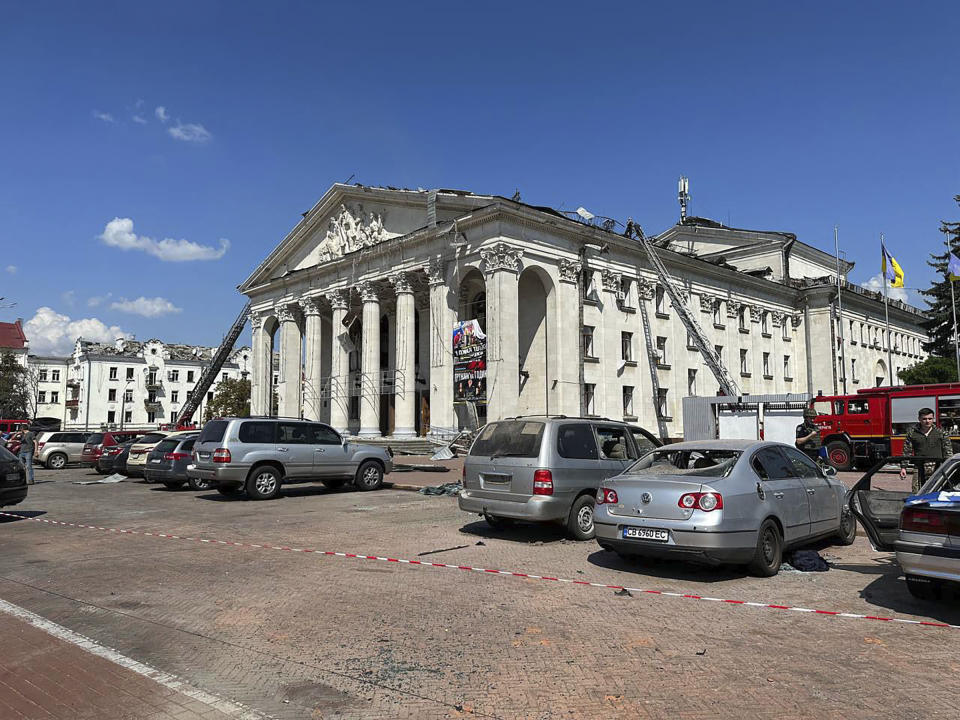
[{"x": 363, "y": 298}]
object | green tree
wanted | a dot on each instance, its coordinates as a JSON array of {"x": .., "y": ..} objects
[
  {"x": 231, "y": 399},
  {"x": 932, "y": 370},
  {"x": 939, "y": 325},
  {"x": 14, "y": 392}
]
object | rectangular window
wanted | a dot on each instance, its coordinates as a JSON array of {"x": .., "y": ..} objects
[
  {"x": 586, "y": 282},
  {"x": 54, "y": 397},
  {"x": 55, "y": 375},
  {"x": 189, "y": 375},
  {"x": 210, "y": 396},
  {"x": 113, "y": 373},
  {"x": 628, "y": 401},
  {"x": 661, "y": 304},
  {"x": 766, "y": 364},
  {"x": 152, "y": 396},
  {"x": 112, "y": 395},
  {"x": 718, "y": 350},
  {"x": 42, "y": 376},
  {"x": 111, "y": 417},
  {"x": 785, "y": 328},
  {"x": 189, "y": 395},
  {"x": 742, "y": 318},
  {"x": 588, "y": 392},
  {"x": 224, "y": 376},
  {"x": 128, "y": 416},
  {"x": 129, "y": 373},
  {"x": 744, "y": 363},
  {"x": 42, "y": 396},
  {"x": 588, "y": 341},
  {"x": 151, "y": 416},
  {"x": 853, "y": 370},
  {"x": 128, "y": 396},
  {"x": 765, "y": 323},
  {"x": 626, "y": 293},
  {"x": 174, "y": 376},
  {"x": 662, "y": 351},
  {"x": 576, "y": 442},
  {"x": 718, "y": 314},
  {"x": 662, "y": 407},
  {"x": 786, "y": 367},
  {"x": 174, "y": 396},
  {"x": 691, "y": 342},
  {"x": 692, "y": 383},
  {"x": 626, "y": 346},
  {"x": 152, "y": 377},
  {"x": 173, "y": 416}
]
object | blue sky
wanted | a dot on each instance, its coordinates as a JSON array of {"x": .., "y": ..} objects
[{"x": 789, "y": 118}]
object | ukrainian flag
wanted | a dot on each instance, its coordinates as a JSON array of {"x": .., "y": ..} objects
[{"x": 891, "y": 268}]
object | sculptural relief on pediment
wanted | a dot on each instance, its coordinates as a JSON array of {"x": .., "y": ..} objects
[{"x": 349, "y": 230}]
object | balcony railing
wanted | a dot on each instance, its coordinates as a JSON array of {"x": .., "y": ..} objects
[
  {"x": 152, "y": 405},
  {"x": 72, "y": 402}
]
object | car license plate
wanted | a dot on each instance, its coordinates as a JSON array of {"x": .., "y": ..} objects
[
  {"x": 640, "y": 533},
  {"x": 13, "y": 477},
  {"x": 155, "y": 460},
  {"x": 203, "y": 455}
]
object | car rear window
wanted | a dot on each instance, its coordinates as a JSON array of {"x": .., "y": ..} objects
[
  {"x": 187, "y": 445},
  {"x": 166, "y": 446},
  {"x": 95, "y": 439},
  {"x": 258, "y": 432},
  {"x": 577, "y": 442},
  {"x": 509, "y": 438},
  {"x": 699, "y": 462},
  {"x": 213, "y": 431},
  {"x": 151, "y": 438}
]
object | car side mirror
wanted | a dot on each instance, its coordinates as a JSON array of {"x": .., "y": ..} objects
[{"x": 830, "y": 471}]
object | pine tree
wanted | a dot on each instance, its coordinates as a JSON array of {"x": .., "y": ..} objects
[{"x": 939, "y": 326}]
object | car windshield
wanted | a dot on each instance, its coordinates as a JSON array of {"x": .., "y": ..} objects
[
  {"x": 700, "y": 462},
  {"x": 166, "y": 446},
  {"x": 510, "y": 438}
]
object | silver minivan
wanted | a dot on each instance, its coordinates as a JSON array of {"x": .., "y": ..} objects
[{"x": 547, "y": 468}]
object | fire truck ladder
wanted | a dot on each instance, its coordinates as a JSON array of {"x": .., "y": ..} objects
[
  {"x": 727, "y": 384},
  {"x": 213, "y": 369}
]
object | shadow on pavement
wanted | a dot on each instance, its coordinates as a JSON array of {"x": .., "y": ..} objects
[
  {"x": 24, "y": 515},
  {"x": 890, "y": 591},
  {"x": 528, "y": 533},
  {"x": 666, "y": 569}
]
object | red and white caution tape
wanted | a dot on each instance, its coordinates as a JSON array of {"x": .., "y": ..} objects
[{"x": 491, "y": 571}]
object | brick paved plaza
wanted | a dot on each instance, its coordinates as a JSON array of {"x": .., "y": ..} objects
[{"x": 282, "y": 634}]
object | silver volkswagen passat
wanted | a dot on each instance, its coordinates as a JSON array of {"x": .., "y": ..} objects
[{"x": 722, "y": 501}]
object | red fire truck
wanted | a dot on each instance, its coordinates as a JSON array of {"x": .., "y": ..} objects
[{"x": 860, "y": 429}]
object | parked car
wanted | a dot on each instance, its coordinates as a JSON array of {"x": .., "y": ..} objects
[
  {"x": 925, "y": 536},
  {"x": 547, "y": 468},
  {"x": 114, "y": 458},
  {"x": 259, "y": 455},
  {"x": 722, "y": 501},
  {"x": 137, "y": 458},
  {"x": 99, "y": 441},
  {"x": 13, "y": 479},
  {"x": 56, "y": 449},
  {"x": 167, "y": 462}
]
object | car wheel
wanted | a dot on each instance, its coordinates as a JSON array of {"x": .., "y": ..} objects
[
  {"x": 839, "y": 455},
  {"x": 580, "y": 520},
  {"x": 199, "y": 484},
  {"x": 173, "y": 484},
  {"x": 923, "y": 588},
  {"x": 769, "y": 553},
  {"x": 57, "y": 461},
  {"x": 263, "y": 483},
  {"x": 369, "y": 476},
  {"x": 333, "y": 483},
  {"x": 498, "y": 523},
  {"x": 848, "y": 527},
  {"x": 230, "y": 491}
]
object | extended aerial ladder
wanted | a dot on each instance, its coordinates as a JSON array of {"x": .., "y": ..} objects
[
  {"x": 210, "y": 373},
  {"x": 727, "y": 384}
]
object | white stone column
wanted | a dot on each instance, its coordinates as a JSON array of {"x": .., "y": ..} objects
[
  {"x": 370, "y": 362},
  {"x": 259, "y": 362},
  {"x": 568, "y": 340},
  {"x": 501, "y": 265},
  {"x": 405, "y": 406},
  {"x": 442, "y": 318},
  {"x": 339, "y": 362},
  {"x": 314, "y": 378},
  {"x": 290, "y": 352}
]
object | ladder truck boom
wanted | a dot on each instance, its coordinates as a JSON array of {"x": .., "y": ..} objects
[
  {"x": 210, "y": 373},
  {"x": 727, "y": 384}
]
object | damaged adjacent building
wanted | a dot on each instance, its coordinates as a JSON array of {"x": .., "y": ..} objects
[{"x": 365, "y": 297}]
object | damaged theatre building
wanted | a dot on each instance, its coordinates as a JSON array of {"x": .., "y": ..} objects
[{"x": 406, "y": 312}]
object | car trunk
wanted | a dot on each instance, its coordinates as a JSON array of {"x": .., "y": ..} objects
[
  {"x": 503, "y": 460},
  {"x": 210, "y": 438},
  {"x": 155, "y": 459},
  {"x": 652, "y": 497}
]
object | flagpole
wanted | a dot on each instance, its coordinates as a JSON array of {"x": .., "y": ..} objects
[
  {"x": 886, "y": 311},
  {"x": 843, "y": 346},
  {"x": 956, "y": 340}
]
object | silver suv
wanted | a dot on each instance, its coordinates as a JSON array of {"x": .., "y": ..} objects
[
  {"x": 56, "y": 449},
  {"x": 259, "y": 454},
  {"x": 547, "y": 468}
]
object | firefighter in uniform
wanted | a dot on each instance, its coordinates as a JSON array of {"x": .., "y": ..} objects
[
  {"x": 925, "y": 440},
  {"x": 808, "y": 435}
]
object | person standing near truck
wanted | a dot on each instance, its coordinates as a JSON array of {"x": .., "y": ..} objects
[
  {"x": 28, "y": 447},
  {"x": 808, "y": 435},
  {"x": 925, "y": 440}
]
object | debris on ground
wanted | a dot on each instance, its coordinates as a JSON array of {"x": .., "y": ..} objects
[
  {"x": 452, "y": 488},
  {"x": 407, "y": 467},
  {"x": 479, "y": 542},
  {"x": 434, "y": 552},
  {"x": 804, "y": 561},
  {"x": 110, "y": 479},
  {"x": 702, "y": 652},
  {"x": 623, "y": 592}
]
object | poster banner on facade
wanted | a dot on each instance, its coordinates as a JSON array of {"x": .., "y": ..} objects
[{"x": 469, "y": 362}]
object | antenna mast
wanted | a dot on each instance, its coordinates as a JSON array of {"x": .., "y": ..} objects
[{"x": 683, "y": 196}]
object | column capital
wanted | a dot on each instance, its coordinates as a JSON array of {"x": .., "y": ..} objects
[
  {"x": 795, "y": 320},
  {"x": 611, "y": 280},
  {"x": 401, "y": 282},
  {"x": 436, "y": 270},
  {"x": 339, "y": 299},
  {"x": 645, "y": 289},
  {"x": 778, "y": 318},
  {"x": 310, "y": 305},
  {"x": 570, "y": 270},
  {"x": 501, "y": 256},
  {"x": 286, "y": 312},
  {"x": 368, "y": 292},
  {"x": 256, "y": 321}
]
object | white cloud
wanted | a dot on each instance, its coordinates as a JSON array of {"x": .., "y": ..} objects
[
  {"x": 119, "y": 233},
  {"x": 51, "y": 333},
  {"x": 98, "y": 300},
  {"x": 161, "y": 113},
  {"x": 147, "y": 307},
  {"x": 190, "y": 132},
  {"x": 139, "y": 120},
  {"x": 12, "y": 269},
  {"x": 106, "y": 117},
  {"x": 875, "y": 283}
]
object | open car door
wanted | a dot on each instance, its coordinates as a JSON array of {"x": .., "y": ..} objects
[{"x": 877, "y": 498}]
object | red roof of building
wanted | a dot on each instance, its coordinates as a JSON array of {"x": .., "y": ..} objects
[{"x": 11, "y": 336}]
